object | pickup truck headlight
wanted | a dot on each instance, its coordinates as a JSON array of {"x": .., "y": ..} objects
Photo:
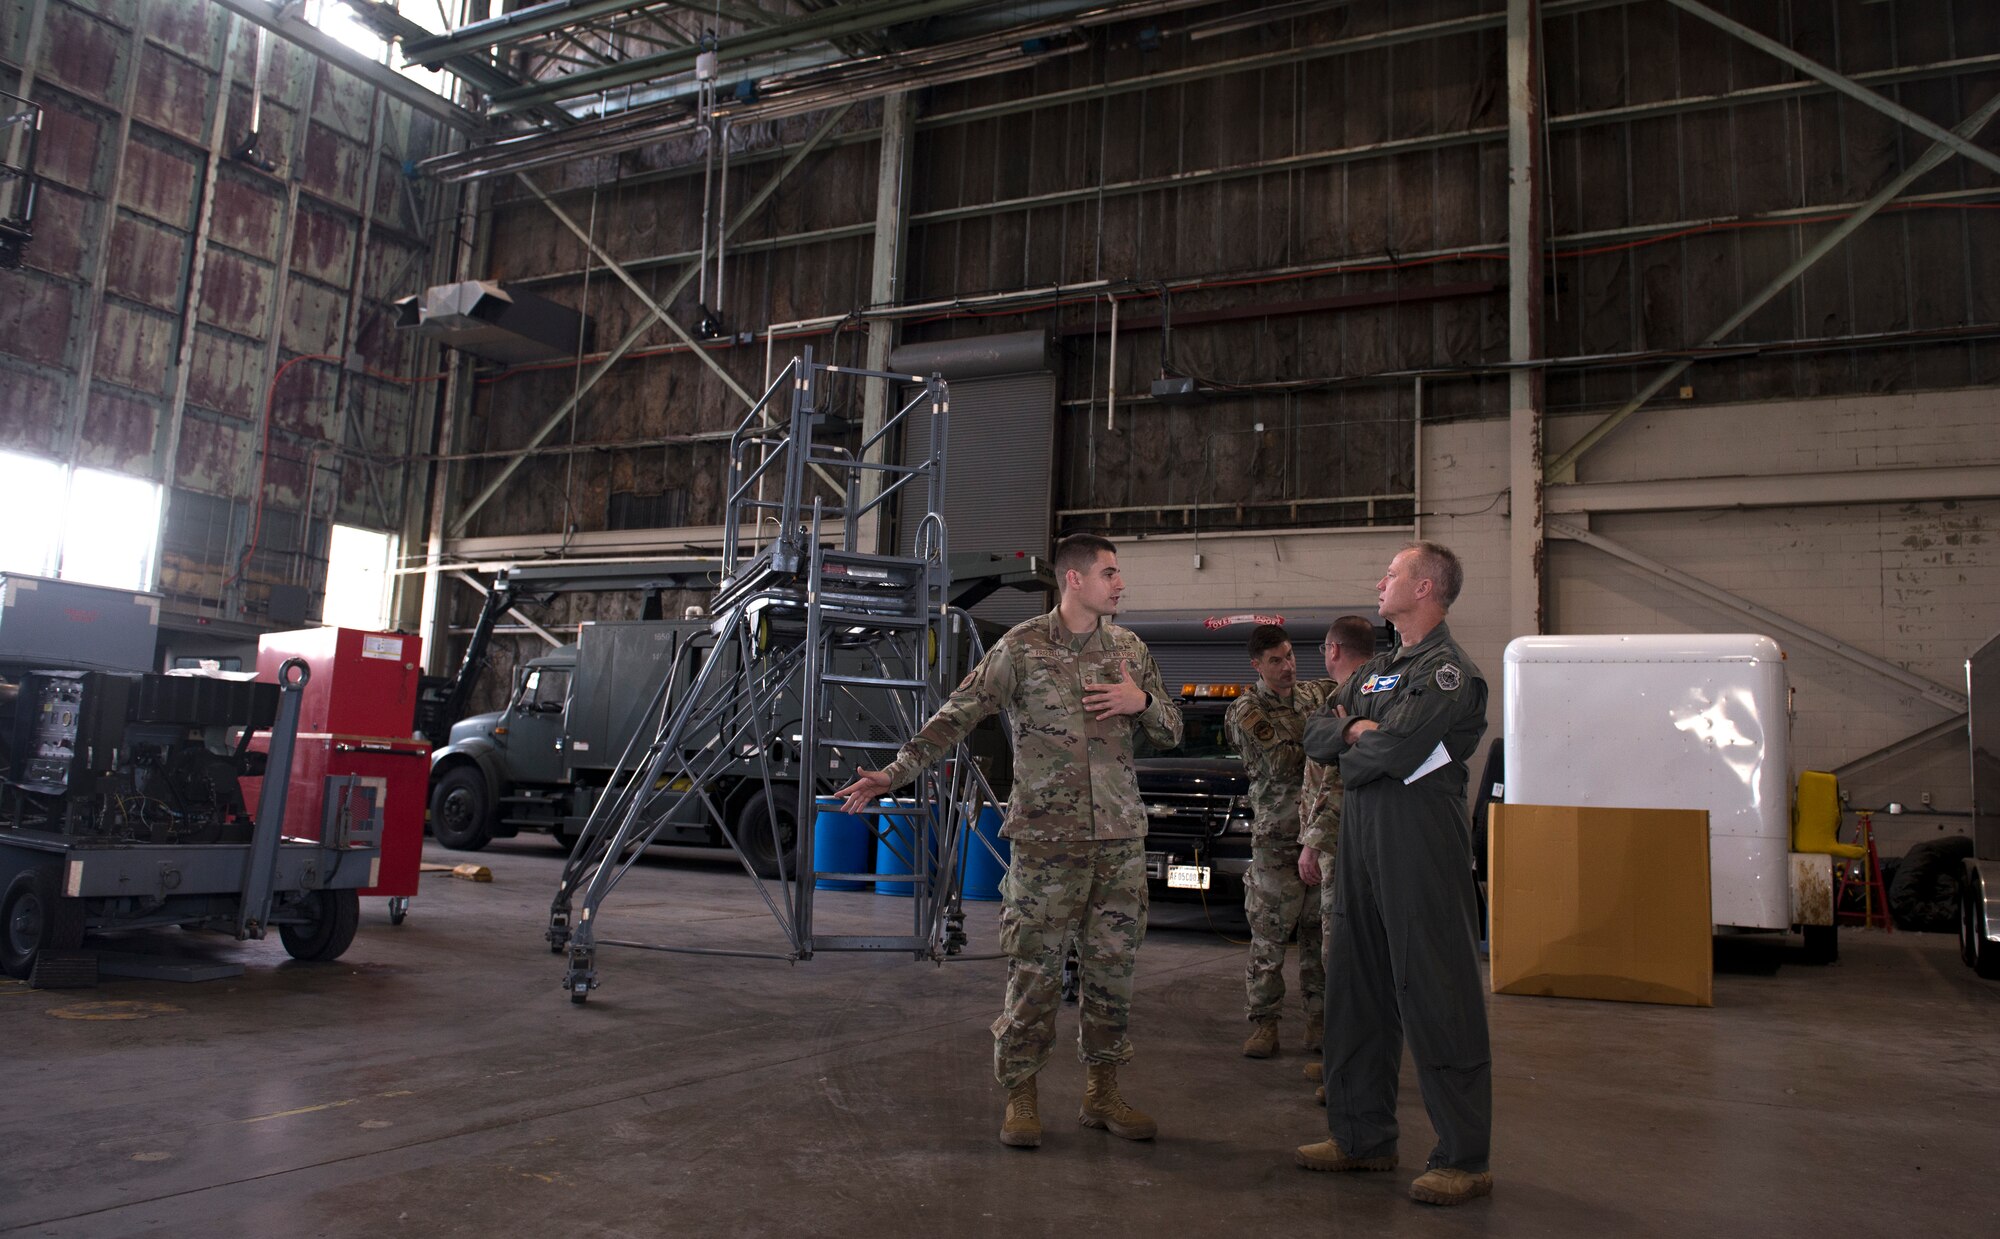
[{"x": 1239, "y": 820}]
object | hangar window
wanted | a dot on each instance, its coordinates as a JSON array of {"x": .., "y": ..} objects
[
  {"x": 35, "y": 489},
  {"x": 88, "y": 525},
  {"x": 111, "y": 530},
  {"x": 357, "y": 579}
]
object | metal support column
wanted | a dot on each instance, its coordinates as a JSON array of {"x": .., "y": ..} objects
[
  {"x": 167, "y": 461},
  {"x": 1524, "y": 317},
  {"x": 885, "y": 285}
]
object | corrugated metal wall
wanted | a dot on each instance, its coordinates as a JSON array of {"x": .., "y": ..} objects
[{"x": 94, "y": 329}]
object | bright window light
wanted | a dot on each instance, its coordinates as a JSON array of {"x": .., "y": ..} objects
[
  {"x": 357, "y": 579},
  {"x": 338, "y": 22},
  {"x": 34, "y": 488},
  {"x": 111, "y": 530}
]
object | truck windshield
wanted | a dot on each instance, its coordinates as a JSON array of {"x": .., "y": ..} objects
[{"x": 1202, "y": 735}]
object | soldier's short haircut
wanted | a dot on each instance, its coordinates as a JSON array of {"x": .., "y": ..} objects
[
  {"x": 1079, "y": 552},
  {"x": 1436, "y": 564},
  {"x": 1354, "y": 632},
  {"x": 1267, "y": 637}
]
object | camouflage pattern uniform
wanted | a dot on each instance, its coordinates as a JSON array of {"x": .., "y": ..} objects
[
  {"x": 1077, "y": 826},
  {"x": 1266, "y": 729},
  {"x": 1319, "y": 829}
]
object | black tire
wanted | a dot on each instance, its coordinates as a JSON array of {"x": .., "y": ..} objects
[
  {"x": 1822, "y": 943},
  {"x": 1924, "y": 896},
  {"x": 756, "y": 835},
  {"x": 33, "y": 919},
  {"x": 336, "y": 915},
  {"x": 1979, "y": 953},
  {"x": 462, "y": 810}
]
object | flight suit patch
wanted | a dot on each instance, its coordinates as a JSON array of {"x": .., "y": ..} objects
[
  {"x": 1449, "y": 677},
  {"x": 1381, "y": 683}
]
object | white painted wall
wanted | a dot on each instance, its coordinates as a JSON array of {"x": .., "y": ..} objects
[{"x": 1917, "y": 584}]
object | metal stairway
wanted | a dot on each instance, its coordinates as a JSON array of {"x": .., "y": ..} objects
[{"x": 825, "y": 657}]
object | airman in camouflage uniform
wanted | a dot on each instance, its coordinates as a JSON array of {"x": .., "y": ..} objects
[
  {"x": 1075, "y": 688},
  {"x": 1350, "y": 642},
  {"x": 1265, "y": 726}
]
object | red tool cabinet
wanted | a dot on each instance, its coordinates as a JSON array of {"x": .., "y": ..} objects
[{"x": 357, "y": 717}]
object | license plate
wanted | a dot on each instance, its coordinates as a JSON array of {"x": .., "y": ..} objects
[{"x": 1187, "y": 877}]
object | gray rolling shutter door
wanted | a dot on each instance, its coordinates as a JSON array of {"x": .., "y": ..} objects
[
  {"x": 998, "y": 464},
  {"x": 1186, "y": 662}
]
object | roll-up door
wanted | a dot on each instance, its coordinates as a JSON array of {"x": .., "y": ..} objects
[{"x": 998, "y": 462}]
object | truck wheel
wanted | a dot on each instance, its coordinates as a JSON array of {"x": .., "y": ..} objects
[
  {"x": 33, "y": 919},
  {"x": 461, "y": 815},
  {"x": 764, "y": 830},
  {"x": 336, "y": 915},
  {"x": 1979, "y": 952}
]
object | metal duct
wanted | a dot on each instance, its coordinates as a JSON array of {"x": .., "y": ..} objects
[
  {"x": 980, "y": 357},
  {"x": 490, "y": 320}
]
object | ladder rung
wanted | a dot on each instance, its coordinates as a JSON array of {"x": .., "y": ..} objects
[
  {"x": 886, "y": 746},
  {"x": 864, "y": 619},
  {"x": 867, "y": 681},
  {"x": 868, "y": 559}
]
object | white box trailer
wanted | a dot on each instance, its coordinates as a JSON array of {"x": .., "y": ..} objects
[{"x": 1669, "y": 721}]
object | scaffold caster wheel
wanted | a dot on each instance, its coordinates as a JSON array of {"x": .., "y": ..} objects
[{"x": 399, "y": 909}]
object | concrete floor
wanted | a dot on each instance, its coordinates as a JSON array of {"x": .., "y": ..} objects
[{"x": 436, "y": 1081}]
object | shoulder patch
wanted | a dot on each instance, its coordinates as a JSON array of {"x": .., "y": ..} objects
[
  {"x": 1264, "y": 731},
  {"x": 1449, "y": 677}
]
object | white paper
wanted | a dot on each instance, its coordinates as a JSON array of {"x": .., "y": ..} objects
[{"x": 1437, "y": 758}]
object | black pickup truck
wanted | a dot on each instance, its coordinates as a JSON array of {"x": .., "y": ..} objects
[{"x": 1197, "y": 808}]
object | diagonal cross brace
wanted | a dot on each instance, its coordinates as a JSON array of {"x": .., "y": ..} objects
[
  {"x": 656, "y": 310},
  {"x": 1563, "y": 468},
  {"x": 1936, "y": 694}
]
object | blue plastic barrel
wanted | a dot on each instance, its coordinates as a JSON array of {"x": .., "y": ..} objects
[
  {"x": 840, "y": 845},
  {"x": 896, "y": 847},
  {"x": 982, "y": 871}
]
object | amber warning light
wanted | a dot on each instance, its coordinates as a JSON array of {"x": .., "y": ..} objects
[{"x": 1211, "y": 690}]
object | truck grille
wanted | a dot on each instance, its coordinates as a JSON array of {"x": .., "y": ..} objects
[{"x": 1186, "y": 813}]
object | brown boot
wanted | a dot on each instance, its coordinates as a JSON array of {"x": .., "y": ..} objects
[
  {"x": 1315, "y": 1071},
  {"x": 1446, "y": 1186},
  {"x": 1328, "y": 1155},
  {"x": 1263, "y": 1043},
  {"x": 1103, "y": 1107},
  {"x": 1022, "y": 1128}
]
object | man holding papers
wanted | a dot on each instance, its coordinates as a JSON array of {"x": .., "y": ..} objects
[{"x": 1402, "y": 955}]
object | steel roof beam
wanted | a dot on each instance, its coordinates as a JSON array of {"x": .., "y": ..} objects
[
  {"x": 830, "y": 24},
  {"x": 376, "y": 74}
]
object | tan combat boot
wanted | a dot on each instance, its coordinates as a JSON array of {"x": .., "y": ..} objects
[
  {"x": 1328, "y": 1155},
  {"x": 1103, "y": 1107},
  {"x": 1022, "y": 1128},
  {"x": 1446, "y": 1186},
  {"x": 1315, "y": 1071},
  {"x": 1263, "y": 1043}
]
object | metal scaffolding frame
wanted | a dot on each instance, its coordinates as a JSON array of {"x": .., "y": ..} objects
[{"x": 860, "y": 648}]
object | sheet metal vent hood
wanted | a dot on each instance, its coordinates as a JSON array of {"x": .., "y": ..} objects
[{"x": 490, "y": 320}]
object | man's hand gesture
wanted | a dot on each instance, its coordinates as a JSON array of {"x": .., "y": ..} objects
[
  {"x": 868, "y": 787},
  {"x": 1120, "y": 697}
]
